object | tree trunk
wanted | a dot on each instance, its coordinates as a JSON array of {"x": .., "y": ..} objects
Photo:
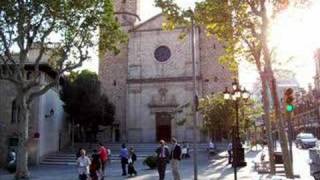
[
  {"x": 268, "y": 75},
  {"x": 22, "y": 154},
  {"x": 266, "y": 108},
  {"x": 282, "y": 135}
]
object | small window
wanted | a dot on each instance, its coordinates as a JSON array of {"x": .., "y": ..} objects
[
  {"x": 114, "y": 82},
  {"x": 28, "y": 75},
  {"x": 14, "y": 114},
  {"x": 13, "y": 141},
  {"x": 215, "y": 79}
]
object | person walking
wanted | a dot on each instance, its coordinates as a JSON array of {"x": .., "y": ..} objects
[
  {"x": 78, "y": 154},
  {"x": 11, "y": 161},
  {"x": 131, "y": 160},
  {"x": 124, "y": 158},
  {"x": 184, "y": 151},
  {"x": 95, "y": 167},
  {"x": 229, "y": 149},
  {"x": 162, "y": 159},
  {"x": 103, "y": 154},
  {"x": 175, "y": 159},
  {"x": 83, "y": 163}
]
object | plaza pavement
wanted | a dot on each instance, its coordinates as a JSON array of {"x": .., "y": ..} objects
[{"x": 209, "y": 168}]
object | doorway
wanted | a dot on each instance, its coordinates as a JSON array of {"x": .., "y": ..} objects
[{"x": 163, "y": 126}]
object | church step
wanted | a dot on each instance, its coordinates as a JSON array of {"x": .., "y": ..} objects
[{"x": 62, "y": 158}]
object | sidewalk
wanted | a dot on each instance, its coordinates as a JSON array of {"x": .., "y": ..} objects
[{"x": 209, "y": 168}]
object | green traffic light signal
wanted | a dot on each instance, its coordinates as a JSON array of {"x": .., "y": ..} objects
[{"x": 290, "y": 108}]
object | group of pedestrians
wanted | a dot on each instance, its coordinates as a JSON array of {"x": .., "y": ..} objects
[
  {"x": 128, "y": 158},
  {"x": 164, "y": 156},
  {"x": 94, "y": 167}
]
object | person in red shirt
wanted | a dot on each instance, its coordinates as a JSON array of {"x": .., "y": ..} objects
[{"x": 103, "y": 153}]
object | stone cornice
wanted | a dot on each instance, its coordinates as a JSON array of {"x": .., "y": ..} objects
[{"x": 163, "y": 79}]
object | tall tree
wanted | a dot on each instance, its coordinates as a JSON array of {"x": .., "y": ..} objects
[
  {"x": 243, "y": 27},
  {"x": 84, "y": 103},
  {"x": 69, "y": 25},
  {"x": 219, "y": 114}
]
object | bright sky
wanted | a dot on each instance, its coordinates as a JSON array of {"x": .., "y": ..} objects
[{"x": 295, "y": 34}]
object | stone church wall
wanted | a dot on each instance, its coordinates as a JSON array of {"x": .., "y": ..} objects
[{"x": 140, "y": 86}]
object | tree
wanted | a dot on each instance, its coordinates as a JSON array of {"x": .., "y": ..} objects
[
  {"x": 219, "y": 115},
  {"x": 84, "y": 103},
  {"x": 242, "y": 26},
  {"x": 62, "y": 30}
]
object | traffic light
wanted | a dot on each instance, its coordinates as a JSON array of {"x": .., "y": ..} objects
[{"x": 288, "y": 97}]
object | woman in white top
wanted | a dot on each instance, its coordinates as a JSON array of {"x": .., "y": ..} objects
[{"x": 83, "y": 163}]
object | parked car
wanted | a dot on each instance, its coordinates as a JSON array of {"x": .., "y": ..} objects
[{"x": 306, "y": 140}]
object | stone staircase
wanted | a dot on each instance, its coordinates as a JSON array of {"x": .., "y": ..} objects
[{"x": 67, "y": 155}]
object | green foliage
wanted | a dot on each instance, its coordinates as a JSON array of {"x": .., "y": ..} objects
[
  {"x": 182, "y": 114},
  {"x": 84, "y": 102},
  {"x": 241, "y": 26},
  {"x": 150, "y": 161},
  {"x": 219, "y": 114},
  {"x": 64, "y": 30}
]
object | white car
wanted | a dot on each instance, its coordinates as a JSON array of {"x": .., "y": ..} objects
[{"x": 306, "y": 140}]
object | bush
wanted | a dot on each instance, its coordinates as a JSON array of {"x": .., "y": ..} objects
[
  {"x": 150, "y": 161},
  {"x": 11, "y": 167}
]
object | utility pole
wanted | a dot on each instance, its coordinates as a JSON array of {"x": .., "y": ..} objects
[{"x": 195, "y": 102}]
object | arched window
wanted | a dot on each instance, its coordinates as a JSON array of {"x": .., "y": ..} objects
[{"x": 14, "y": 112}]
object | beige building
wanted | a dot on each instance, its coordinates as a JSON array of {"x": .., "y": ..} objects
[
  {"x": 152, "y": 76},
  {"x": 48, "y": 131}
]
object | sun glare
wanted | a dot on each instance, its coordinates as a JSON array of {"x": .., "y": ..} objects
[{"x": 296, "y": 33}]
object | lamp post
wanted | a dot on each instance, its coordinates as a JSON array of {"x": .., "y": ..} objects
[
  {"x": 195, "y": 100},
  {"x": 236, "y": 95}
]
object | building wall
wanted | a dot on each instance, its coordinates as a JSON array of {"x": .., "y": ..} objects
[
  {"x": 113, "y": 69},
  {"x": 6, "y": 129},
  {"x": 215, "y": 76},
  {"x": 52, "y": 129},
  {"x": 48, "y": 128},
  {"x": 133, "y": 79},
  {"x": 141, "y": 120}
]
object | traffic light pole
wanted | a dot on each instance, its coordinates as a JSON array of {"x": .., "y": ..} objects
[
  {"x": 289, "y": 109},
  {"x": 290, "y": 136}
]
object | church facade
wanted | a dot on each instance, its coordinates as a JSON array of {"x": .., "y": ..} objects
[{"x": 152, "y": 77}]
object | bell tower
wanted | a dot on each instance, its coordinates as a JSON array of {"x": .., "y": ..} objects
[
  {"x": 126, "y": 11},
  {"x": 113, "y": 70}
]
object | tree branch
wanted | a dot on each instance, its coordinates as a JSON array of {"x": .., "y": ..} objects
[
  {"x": 44, "y": 89},
  {"x": 255, "y": 52},
  {"x": 254, "y": 9},
  {"x": 43, "y": 47},
  {"x": 30, "y": 38},
  {"x": 6, "y": 46}
]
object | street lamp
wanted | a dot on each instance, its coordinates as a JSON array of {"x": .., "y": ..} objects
[{"x": 236, "y": 95}]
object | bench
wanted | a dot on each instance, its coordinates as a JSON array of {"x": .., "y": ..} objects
[{"x": 260, "y": 164}]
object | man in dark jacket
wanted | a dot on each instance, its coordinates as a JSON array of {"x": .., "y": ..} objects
[
  {"x": 163, "y": 156},
  {"x": 175, "y": 159}
]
